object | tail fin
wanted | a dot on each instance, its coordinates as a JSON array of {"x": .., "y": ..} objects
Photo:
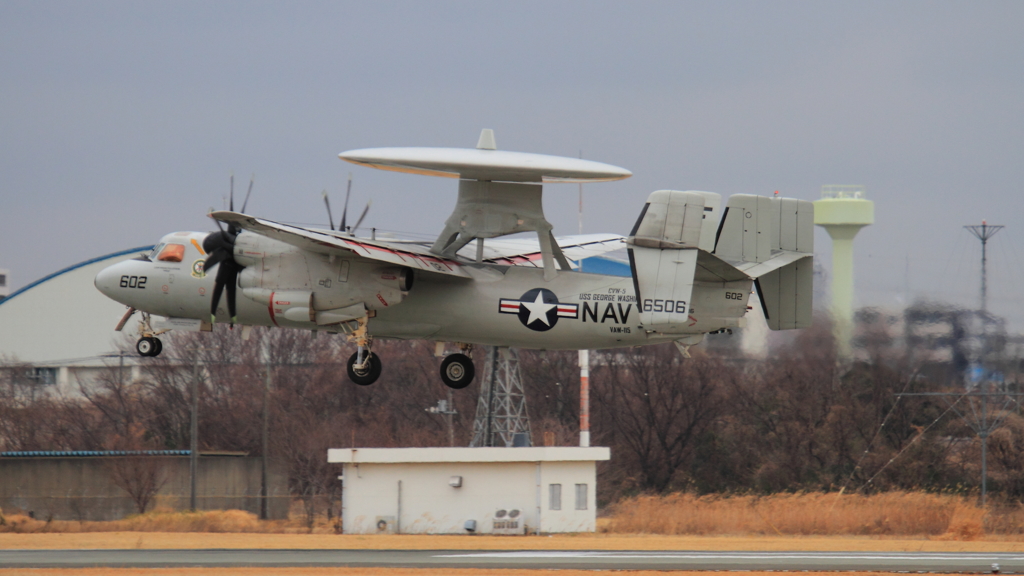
[
  {"x": 664, "y": 246},
  {"x": 675, "y": 243},
  {"x": 786, "y": 294},
  {"x": 772, "y": 241}
]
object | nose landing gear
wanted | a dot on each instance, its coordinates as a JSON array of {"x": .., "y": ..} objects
[{"x": 149, "y": 345}]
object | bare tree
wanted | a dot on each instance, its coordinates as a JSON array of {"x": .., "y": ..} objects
[
  {"x": 140, "y": 476},
  {"x": 658, "y": 405}
]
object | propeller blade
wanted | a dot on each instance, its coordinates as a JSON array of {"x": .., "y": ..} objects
[
  {"x": 218, "y": 241},
  {"x": 328, "y": 203},
  {"x": 363, "y": 215},
  {"x": 219, "y": 247},
  {"x": 227, "y": 277},
  {"x": 229, "y": 270},
  {"x": 344, "y": 213},
  {"x": 215, "y": 221},
  {"x": 215, "y": 258},
  {"x": 246, "y": 202}
]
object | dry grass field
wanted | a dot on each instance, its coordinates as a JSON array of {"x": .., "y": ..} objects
[
  {"x": 885, "y": 514},
  {"x": 894, "y": 522}
]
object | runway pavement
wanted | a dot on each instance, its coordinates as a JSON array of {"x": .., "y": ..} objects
[{"x": 593, "y": 560}]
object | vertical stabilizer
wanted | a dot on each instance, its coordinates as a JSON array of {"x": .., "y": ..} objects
[
  {"x": 772, "y": 240},
  {"x": 664, "y": 246}
]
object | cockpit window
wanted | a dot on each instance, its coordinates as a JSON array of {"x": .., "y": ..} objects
[
  {"x": 156, "y": 250},
  {"x": 172, "y": 253}
]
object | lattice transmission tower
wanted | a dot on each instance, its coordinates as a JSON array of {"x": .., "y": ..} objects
[
  {"x": 983, "y": 233},
  {"x": 501, "y": 416}
]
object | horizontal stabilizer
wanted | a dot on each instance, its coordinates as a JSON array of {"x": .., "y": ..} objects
[
  {"x": 754, "y": 228},
  {"x": 674, "y": 219}
]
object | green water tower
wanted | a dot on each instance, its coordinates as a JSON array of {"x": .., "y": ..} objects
[{"x": 842, "y": 212}]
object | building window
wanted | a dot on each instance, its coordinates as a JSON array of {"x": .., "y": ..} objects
[
  {"x": 3, "y": 280},
  {"x": 554, "y": 496},
  {"x": 581, "y": 496},
  {"x": 42, "y": 376}
]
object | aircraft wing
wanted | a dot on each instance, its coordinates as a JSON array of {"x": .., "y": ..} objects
[
  {"x": 321, "y": 242},
  {"x": 526, "y": 251}
]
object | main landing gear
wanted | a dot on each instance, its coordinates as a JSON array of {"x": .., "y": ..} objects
[
  {"x": 457, "y": 371},
  {"x": 364, "y": 371},
  {"x": 364, "y": 367}
]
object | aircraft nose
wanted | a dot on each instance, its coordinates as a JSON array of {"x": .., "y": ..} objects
[{"x": 107, "y": 281}]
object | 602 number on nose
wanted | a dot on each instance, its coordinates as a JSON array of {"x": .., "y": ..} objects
[{"x": 133, "y": 282}]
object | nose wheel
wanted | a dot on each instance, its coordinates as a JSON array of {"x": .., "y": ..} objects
[
  {"x": 457, "y": 371},
  {"x": 149, "y": 346}
]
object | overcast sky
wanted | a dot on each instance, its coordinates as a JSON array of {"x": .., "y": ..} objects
[{"x": 121, "y": 121}]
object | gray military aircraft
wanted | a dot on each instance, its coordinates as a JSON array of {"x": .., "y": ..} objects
[{"x": 694, "y": 265}]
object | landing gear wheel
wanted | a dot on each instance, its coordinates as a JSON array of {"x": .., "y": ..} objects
[
  {"x": 366, "y": 375},
  {"x": 159, "y": 347},
  {"x": 148, "y": 346},
  {"x": 457, "y": 371}
]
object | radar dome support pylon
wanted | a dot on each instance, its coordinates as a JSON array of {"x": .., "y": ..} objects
[{"x": 500, "y": 192}]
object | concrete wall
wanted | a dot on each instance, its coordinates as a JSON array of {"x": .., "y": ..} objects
[
  {"x": 70, "y": 488},
  {"x": 426, "y": 503},
  {"x": 569, "y": 518}
]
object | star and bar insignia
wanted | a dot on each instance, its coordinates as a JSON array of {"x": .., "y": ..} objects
[{"x": 538, "y": 309}]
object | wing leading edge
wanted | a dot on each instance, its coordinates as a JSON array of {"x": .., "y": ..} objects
[{"x": 323, "y": 243}]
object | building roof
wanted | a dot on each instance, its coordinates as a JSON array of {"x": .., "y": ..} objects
[
  {"x": 423, "y": 455},
  {"x": 62, "y": 319},
  {"x": 90, "y": 453}
]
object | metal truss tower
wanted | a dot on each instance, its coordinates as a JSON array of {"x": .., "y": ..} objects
[
  {"x": 983, "y": 233},
  {"x": 984, "y": 411},
  {"x": 501, "y": 417}
]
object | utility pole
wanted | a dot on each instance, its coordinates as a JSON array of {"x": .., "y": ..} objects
[
  {"x": 581, "y": 200},
  {"x": 584, "y": 398},
  {"x": 264, "y": 486},
  {"x": 449, "y": 416},
  {"x": 584, "y": 362},
  {"x": 975, "y": 413},
  {"x": 447, "y": 408},
  {"x": 193, "y": 454},
  {"x": 983, "y": 233}
]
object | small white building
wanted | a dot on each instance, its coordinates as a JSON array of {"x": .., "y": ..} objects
[{"x": 468, "y": 490}]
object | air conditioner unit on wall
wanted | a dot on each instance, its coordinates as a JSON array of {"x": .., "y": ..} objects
[
  {"x": 385, "y": 524},
  {"x": 508, "y": 522}
]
